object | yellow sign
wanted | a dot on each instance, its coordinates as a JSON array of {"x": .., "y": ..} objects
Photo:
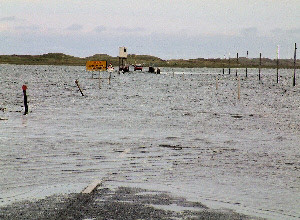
[{"x": 96, "y": 65}]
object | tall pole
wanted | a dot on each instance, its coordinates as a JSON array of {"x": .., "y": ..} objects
[
  {"x": 239, "y": 88},
  {"x": 237, "y": 62},
  {"x": 24, "y": 87},
  {"x": 223, "y": 64},
  {"x": 229, "y": 63},
  {"x": 277, "y": 63},
  {"x": 246, "y": 65},
  {"x": 119, "y": 64},
  {"x": 259, "y": 66},
  {"x": 294, "y": 79}
]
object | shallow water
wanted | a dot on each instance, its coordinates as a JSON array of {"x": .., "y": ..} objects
[{"x": 175, "y": 132}]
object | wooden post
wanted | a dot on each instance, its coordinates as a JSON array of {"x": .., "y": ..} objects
[
  {"x": 294, "y": 78},
  {"x": 99, "y": 81},
  {"x": 223, "y": 65},
  {"x": 246, "y": 65},
  {"x": 239, "y": 88},
  {"x": 119, "y": 65},
  {"x": 229, "y": 64},
  {"x": 237, "y": 62},
  {"x": 109, "y": 78},
  {"x": 277, "y": 63},
  {"x": 259, "y": 66},
  {"x": 24, "y": 87},
  {"x": 77, "y": 83}
]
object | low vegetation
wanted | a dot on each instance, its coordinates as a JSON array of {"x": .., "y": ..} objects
[{"x": 146, "y": 60}]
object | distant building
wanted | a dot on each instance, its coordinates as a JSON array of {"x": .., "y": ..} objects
[{"x": 123, "y": 52}]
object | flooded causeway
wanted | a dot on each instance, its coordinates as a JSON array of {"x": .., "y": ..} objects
[{"x": 174, "y": 132}]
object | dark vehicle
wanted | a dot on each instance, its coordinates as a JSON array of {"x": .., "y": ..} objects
[
  {"x": 124, "y": 68},
  {"x": 151, "y": 69}
]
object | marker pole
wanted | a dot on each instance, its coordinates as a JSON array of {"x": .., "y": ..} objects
[
  {"x": 294, "y": 78},
  {"x": 77, "y": 83},
  {"x": 259, "y": 66},
  {"x": 223, "y": 65},
  {"x": 237, "y": 62},
  {"x": 229, "y": 63},
  {"x": 277, "y": 63},
  {"x": 24, "y": 87},
  {"x": 246, "y": 64},
  {"x": 239, "y": 88},
  {"x": 109, "y": 78}
]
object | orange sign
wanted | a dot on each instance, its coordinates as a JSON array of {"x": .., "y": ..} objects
[{"x": 96, "y": 65}]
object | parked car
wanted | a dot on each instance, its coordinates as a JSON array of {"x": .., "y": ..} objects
[{"x": 138, "y": 67}]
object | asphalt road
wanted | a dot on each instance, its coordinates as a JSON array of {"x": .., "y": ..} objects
[{"x": 121, "y": 203}]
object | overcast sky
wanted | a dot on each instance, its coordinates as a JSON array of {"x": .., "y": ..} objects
[{"x": 163, "y": 28}]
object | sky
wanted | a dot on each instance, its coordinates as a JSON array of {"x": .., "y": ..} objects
[{"x": 169, "y": 29}]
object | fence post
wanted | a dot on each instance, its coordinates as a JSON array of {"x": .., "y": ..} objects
[
  {"x": 246, "y": 65},
  {"x": 237, "y": 62},
  {"x": 277, "y": 63},
  {"x": 109, "y": 78},
  {"x": 229, "y": 63},
  {"x": 24, "y": 87},
  {"x": 239, "y": 88},
  {"x": 223, "y": 65},
  {"x": 259, "y": 66},
  {"x": 294, "y": 79},
  {"x": 77, "y": 83}
]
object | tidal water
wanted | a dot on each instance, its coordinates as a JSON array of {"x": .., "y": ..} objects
[{"x": 184, "y": 131}]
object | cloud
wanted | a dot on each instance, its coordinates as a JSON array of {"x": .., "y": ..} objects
[
  {"x": 27, "y": 28},
  {"x": 3, "y": 28},
  {"x": 294, "y": 31},
  {"x": 165, "y": 46},
  {"x": 288, "y": 32},
  {"x": 100, "y": 28},
  {"x": 127, "y": 29},
  {"x": 117, "y": 31},
  {"x": 9, "y": 18},
  {"x": 75, "y": 27},
  {"x": 277, "y": 31},
  {"x": 252, "y": 31}
]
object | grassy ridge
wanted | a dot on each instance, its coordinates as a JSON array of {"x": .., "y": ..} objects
[{"x": 146, "y": 60}]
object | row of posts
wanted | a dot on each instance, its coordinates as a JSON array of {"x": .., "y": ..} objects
[
  {"x": 24, "y": 87},
  {"x": 259, "y": 68}
]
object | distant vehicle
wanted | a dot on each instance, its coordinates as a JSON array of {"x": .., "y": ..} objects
[
  {"x": 124, "y": 68},
  {"x": 157, "y": 71},
  {"x": 151, "y": 69},
  {"x": 138, "y": 67}
]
